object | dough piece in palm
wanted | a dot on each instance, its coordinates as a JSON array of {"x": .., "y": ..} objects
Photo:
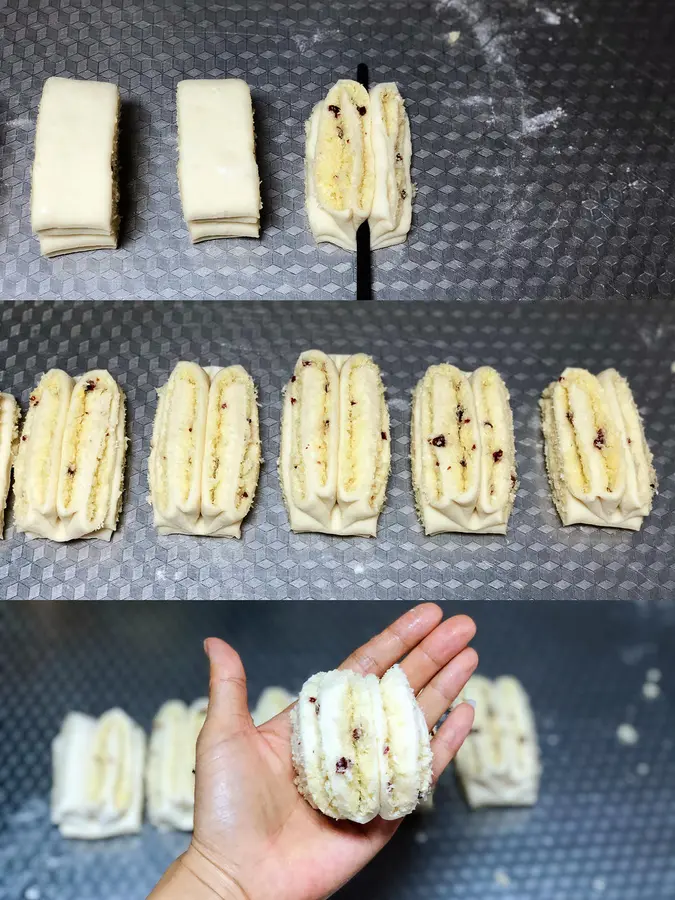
[
  {"x": 74, "y": 192},
  {"x": 170, "y": 775},
  {"x": 598, "y": 461},
  {"x": 69, "y": 468},
  {"x": 97, "y": 780},
  {"x": 391, "y": 213},
  {"x": 205, "y": 454},
  {"x": 498, "y": 763},
  {"x": 217, "y": 169},
  {"x": 271, "y": 702},
  {"x": 335, "y": 444},
  {"x": 463, "y": 451},
  {"x": 339, "y": 178},
  {"x": 9, "y": 437}
]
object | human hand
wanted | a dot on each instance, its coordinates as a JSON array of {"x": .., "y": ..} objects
[{"x": 255, "y": 837}]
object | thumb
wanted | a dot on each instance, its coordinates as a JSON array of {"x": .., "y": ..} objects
[{"x": 228, "y": 697}]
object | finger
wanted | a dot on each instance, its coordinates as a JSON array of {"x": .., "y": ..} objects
[
  {"x": 228, "y": 697},
  {"x": 437, "y": 649},
  {"x": 450, "y": 737},
  {"x": 386, "y": 648},
  {"x": 443, "y": 689}
]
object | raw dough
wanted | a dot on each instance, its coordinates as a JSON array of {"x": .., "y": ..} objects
[
  {"x": 69, "y": 469},
  {"x": 335, "y": 444},
  {"x": 205, "y": 453},
  {"x": 9, "y": 436},
  {"x": 74, "y": 193},
  {"x": 599, "y": 464},
  {"x": 463, "y": 451},
  {"x": 271, "y": 702},
  {"x": 391, "y": 212},
  {"x": 217, "y": 169}
]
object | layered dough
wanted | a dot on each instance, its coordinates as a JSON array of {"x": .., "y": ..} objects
[
  {"x": 9, "y": 437},
  {"x": 391, "y": 213},
  {"x": 205, "y": 454},
  {"x": 498, "y": 763},
  {"x": 360, "y": 745},
  {"x": 335, "y": 444},
  {"x": 463, "y": 451},
  {"x": 98, "y": 776},
  {"x": 339, "y": 176},
  {"x": 69, "y": 468},
  {"x": 217, "y": 169},
  {"x": 170, "y": 775},
  {"x": 74, "y": 192},
  {"x": 271, "y": 702},
  {"x": 598, "y": 461}
]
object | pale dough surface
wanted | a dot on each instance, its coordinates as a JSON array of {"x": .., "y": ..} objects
[
  {"x": 9, "y": 435},
  {"x": 391, "y": 214}
]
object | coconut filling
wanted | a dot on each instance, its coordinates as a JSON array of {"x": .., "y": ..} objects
[
  {"x": 498, "y": 475},
  {"x": 232, "y": 443},
  {"x": 87, "y": 459},
  {"x": 450, "y": 437},
  {"x": 591, "y": 453},
  {"x": 310, "y": 398},
  {"x": 110, "y": 783},
  {"x": 364, "y": 434},
  {"x": 393, "y": 115}
]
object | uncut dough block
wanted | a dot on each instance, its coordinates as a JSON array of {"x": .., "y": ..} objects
[
  {"x": 74, "y": 189},
  {"x": 339, "y": 178},
  {"x": 391, "y": 213},
  {"x": 498, "y": 764},
  {"x": 271, "y": 702},
  {"x": 463, "y": 451},
  {"x": 69, "y": 468},
  {"x": 97, "y": 776},
  {"x": 598, "y": 461},
  {"x": 335, "y": 445},
  {"x": 9, "y": 437},
  {"x": 205, "y": 452},
  {"x": 360, "y": 745},
  {"x": 170, "y": 773},
  {"x": 217, "y": 170}
]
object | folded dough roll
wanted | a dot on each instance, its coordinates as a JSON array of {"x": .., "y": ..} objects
[
  {"x": 69, "y": 469},
  {"x": 339, "y": 178},
  {"x": 74, "y": 192},
  {"x": 9, "y": 436},
  {"x": 170, "y": 775},
  {"x": 463, "y": 451},
  {"x": 335, "y": 444},
  {"x": 205, "y": 454},
  {"x": 217, "y": 169},
  {"x": 599, "y": 465},
  {"x": 391, "y": 212},
  {"x": 271, "y": 702},
  {"x": 498, "y": 763},
  {"x": 97, "y": 780}
]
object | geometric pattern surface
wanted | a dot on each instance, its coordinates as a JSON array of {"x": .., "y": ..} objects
[
  {"x": 604, "y": 824},
  {"x": 529, "y": 344},
  {"x": 544, "y": 144}
]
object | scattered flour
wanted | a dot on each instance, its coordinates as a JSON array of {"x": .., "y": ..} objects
[
  {"x": 672, "y": 368},
  {"x": 642, "y": 769},
  {"x": 304, "y": 41},
  {"x": 501, "y": 877},
  {"x": 627, "y": 735},
  {"x": 535, "y": 124},
  {"x": 550, "y": 17},
  {"x": 654, "y": 675},
  {"x": 421, "y": 837},
  {"x": 599, "y": 885},
  {"x": 453, "y": 37},
  {"x": 650, "y": 690}
]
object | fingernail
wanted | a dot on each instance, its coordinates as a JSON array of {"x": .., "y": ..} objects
[
  {"x": 206, "y": 646},
  {"x": 471, "y": 703}
]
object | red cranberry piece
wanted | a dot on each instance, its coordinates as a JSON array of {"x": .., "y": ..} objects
[
  {"x": 599, "y": 441},
  {"x": 362, "y": 110},
  {"x": 312, "y": 699},
  {"x": 334, "y": 109},
  {"x": 307, "y": 362},
  {"x": 497, "y": 455},
  {"x": 356, "y": 734},
  {"x": 342, "y": 765},
  {"x": 439, "y": 440},
  {"x": 460, "y": 413},
  {"x": 386, "y": 749},
  {"x": 384, "y": 435},
  {"x": 462, "y": 463},
  {"x": 89, "y": 386},
  {"x": 293, "y": 400},
  {"x": 293, "y": 378}
]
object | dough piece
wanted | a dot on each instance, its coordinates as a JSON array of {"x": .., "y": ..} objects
[
  {"x": 335, "y": 444},
  {"x": 98, "y": 776},
  {"x": 391, "y": 213},
  {"x": 462, "y": 451},
  {"x": 498, "y": 764},
  {"x": 9, "y": 436},
  {"x": 339, "y": 179},
  {"x": 74, "y": 194},
  {"x": 217, "y": 170},
  {"x": 205, "y": 453},
  {"x": 271, "y": 702},
  {"x": 69, "y": 469},
  {"x": 360, "y": 745},
  {"x": 599, "y": 465},
  {"x": 170, "y": 775}
]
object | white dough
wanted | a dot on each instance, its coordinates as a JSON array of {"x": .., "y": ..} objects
[
  {"x": 9, "y": 436},
  {"x": 391, "y": 213}
]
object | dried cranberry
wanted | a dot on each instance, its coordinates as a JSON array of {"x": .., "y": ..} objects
[
  {"x": 342, "y": 765},
  {"x": 312, "y": 699},
  {"x": 334, "y": 109},
  {"x": 384, "y": 435},
  {"x": 404, "y": 194},
  {"x": 307, "y": 362},
  {"x": 473, "y": 446},
  {"x": 293, "y": 400},
  {"x": 497, "y": 455},
  {"x": 223, "y": 405},
  {"x": 462, "y": 463},
  {"x": 513, "y": 480},
  {"x": 570, "y": 418},
  {"x": 356, "y": 734},
  {"x": 71, "y": 470},
  {"x": 293, "y": 379},
  {"x": 353, "y": 402},
  {"x": 362, "y": 110},
  {"x": 399, "y": 157},
  {"x": 439, "y": 440},
  {"x": 629, "y": 441},
  {"x": 386, "y": 749},
  {"x": 244, "y": 494},
  {"x": 599, "y": 441},
  {"x": 460, "y": 413},
  {"x": 89, "y": 386}
]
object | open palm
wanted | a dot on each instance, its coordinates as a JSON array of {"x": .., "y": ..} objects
[{"x": 250, "y": 822}]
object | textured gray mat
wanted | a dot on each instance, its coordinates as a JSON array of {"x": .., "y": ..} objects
[
  {"x": 543, "y": 143},
  {"x": 529, "y": 344},
  {"x": 605, "y": 822}
]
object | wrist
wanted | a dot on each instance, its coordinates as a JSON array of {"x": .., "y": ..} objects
[{"x": 193, "y": 877}]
